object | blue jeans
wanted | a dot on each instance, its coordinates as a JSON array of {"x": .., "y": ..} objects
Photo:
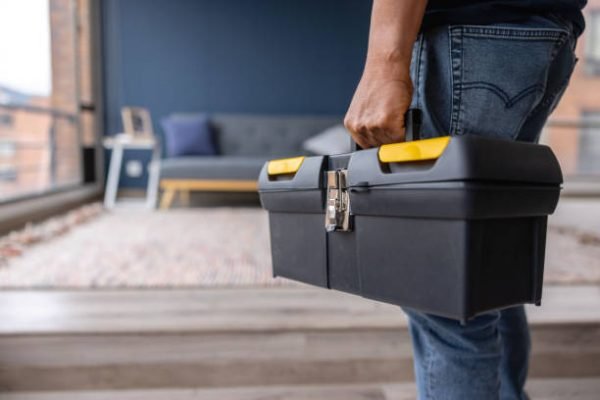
[{"x": 500, "y": 80}]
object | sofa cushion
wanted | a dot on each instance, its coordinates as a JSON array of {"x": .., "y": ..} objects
[
  {"x": 188, "y": 136},
  {"x": 219, "y": 167},
  {"x": 267, "y": 136}
]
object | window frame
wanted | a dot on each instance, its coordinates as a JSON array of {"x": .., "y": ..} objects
[
  {"x": 590, "y": 125},
  {"x": 16, "y": 211},
  {"x": 592, "y": 61}
]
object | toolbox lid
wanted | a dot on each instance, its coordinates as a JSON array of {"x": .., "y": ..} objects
[
  {"x": 292, "y": 185},
  {"x": 459, "y": 158},
  {"x": 297, "y": 173}
]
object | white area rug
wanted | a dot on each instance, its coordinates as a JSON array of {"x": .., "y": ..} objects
[
  {"x": 206, "y": 247},
  {"x": 131, "y": 248}
]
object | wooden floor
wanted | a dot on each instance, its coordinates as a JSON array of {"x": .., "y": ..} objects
[
  {"x": 246, "y": 344},
  {"x": 538, "y": 389},
  {"x": 208, "y": 310},
  {"x": 240, "y": 310}
]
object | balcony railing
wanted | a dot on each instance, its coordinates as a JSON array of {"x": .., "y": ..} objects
[{"x": 40, "y": 151}]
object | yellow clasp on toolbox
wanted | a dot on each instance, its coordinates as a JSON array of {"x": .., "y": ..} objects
[
  {"x": 284, "y": 166},
  {"x": 419, "y": 150}
]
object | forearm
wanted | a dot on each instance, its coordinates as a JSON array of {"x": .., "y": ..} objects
[
  {"x": 376, "y": 114},
  {"x": 395, "y": 25}
]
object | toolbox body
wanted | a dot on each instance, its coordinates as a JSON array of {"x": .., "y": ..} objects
[{"x": 449, "y": 226}]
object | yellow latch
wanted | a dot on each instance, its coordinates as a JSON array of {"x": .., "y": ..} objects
[
  {"x": 285, "y": 166},
  {"x": 419, "y": 150}
]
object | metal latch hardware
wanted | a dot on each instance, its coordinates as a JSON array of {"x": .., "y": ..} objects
[{"x": 337, "y": 207}]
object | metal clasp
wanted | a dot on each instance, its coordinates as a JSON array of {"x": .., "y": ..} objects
[{"x": 337, "y": 207}]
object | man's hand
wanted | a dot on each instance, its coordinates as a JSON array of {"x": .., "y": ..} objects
[
  {"x": 376, "y": 114},
  {"x": 384, "y": 94}
]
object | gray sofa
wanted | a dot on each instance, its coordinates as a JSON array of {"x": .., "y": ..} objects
[{"x": 245, "y": 143}]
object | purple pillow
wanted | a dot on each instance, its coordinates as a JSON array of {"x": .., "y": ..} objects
[{"x": 188, "y": 136}]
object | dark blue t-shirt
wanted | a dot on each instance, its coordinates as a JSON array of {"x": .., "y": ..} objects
[{"x": 450, "y": 12}]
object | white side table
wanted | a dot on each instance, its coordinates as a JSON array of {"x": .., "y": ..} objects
[{"x": 119, "y": 143}]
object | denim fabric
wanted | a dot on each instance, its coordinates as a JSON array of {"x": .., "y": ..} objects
[
  {"x": 503, "y": 81},
  {"x": 486, "y": 359},
  {"x": 500, "y": 80}
]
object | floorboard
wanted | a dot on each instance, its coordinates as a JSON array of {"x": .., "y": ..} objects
[
  {"x": 240, "y": 310},
  {"x": 538, "y": 389},
  {"x": 245, "y": 337}
]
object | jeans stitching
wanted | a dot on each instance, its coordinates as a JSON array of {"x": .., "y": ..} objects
[
  {"x": 509, "y": 102},
  {"x": 418, "y": 70},
  {"x": 514, "y": 33},
  {"x": 428, "y": 364},
  {"x": 458, "y": 32},
  {"x": 517, "y": 38},
  {"x": 451, "y": 76},
  {"x": 456, "y": 64}
]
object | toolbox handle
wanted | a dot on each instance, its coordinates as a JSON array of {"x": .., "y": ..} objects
[
  {"x": 412, "y": 127},
  {"x": 413, "y": 119},
  {"x": 284, "y": 166}
]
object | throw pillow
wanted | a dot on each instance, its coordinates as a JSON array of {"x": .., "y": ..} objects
[
  {"x": 334, "y": 140},
  {"x": 189, "y": 136}
]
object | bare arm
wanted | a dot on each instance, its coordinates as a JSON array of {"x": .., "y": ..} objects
[{"x": 376, "y": 114}]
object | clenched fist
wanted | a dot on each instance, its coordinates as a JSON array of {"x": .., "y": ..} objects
[{"x": 376, "y": 114}]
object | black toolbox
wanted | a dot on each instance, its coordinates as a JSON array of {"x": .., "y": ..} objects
[{"x": 452, "y": 226}]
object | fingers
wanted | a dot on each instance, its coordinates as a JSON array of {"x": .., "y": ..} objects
[
  {"x": 376, "y": 112},
  {"x": 362, "y": 138},
  {"x": 377, "y": 131}
]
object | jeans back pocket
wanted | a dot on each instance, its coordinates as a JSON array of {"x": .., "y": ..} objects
[{"x": 499, "y": 75}]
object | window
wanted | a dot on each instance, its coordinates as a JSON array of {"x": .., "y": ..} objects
[
  {"x": 6, "y": 119},
  {"x": 8, "y": 173},
  {"x": 592, "y": 48},
  {"x": 7, "y": 149},
  {"x": 45, "y": 49},
  {"x": 589, "y": 145}
]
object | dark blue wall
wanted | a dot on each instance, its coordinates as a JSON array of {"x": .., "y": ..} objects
[
  {"x": 247, "y": 56},
  {"x": 253, "y": 56}
]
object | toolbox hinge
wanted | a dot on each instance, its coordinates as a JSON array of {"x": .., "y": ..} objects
[{"x": 337, "y": 207}]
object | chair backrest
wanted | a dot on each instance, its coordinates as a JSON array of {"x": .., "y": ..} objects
[{"x": 137, "y": 121}]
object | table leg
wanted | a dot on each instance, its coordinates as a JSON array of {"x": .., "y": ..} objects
[
  {"x": 167, "y": 198},
  {"x": 153, "y": 179},
  {"x": 114, "y": 172}
]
